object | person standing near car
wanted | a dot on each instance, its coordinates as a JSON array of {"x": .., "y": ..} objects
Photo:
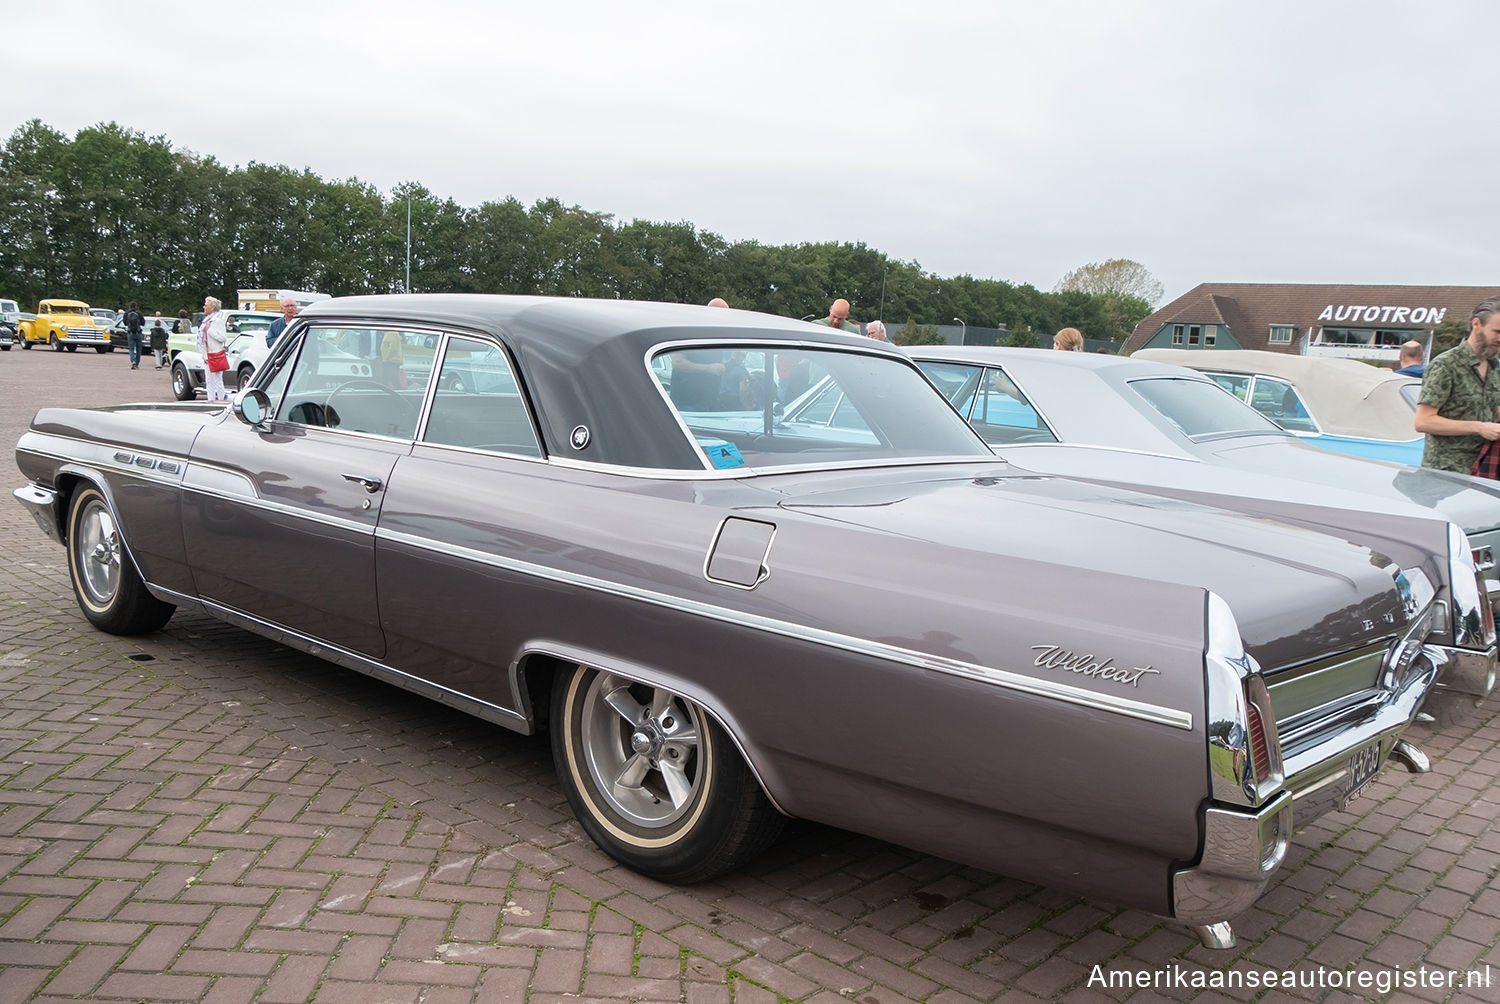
[
  {"x": 288, "y": 311},
  {"x": 159, "y": 342},
  {"x": 1409, "y": 361},
  {"x": 212, "y": 338},
  {"x": 1460, "y": 401},
  {"x": 134, "y": 321}
]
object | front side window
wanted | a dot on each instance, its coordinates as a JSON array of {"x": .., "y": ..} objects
[
  {"x": 353, "y": 379},
  {"x": 477, "y": 404},
  {"x": 758, "y": 406},
  {"x": 1200, "y": 408},
  {"x": 1280, "y": 402}
]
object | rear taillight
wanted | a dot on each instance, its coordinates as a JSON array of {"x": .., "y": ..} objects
[{"x": 1260, "y": 749}]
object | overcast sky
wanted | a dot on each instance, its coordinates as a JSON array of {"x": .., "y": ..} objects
[{"x": 1274, "y": 141}]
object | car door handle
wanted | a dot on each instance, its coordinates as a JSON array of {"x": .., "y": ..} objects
[{"x": 372, "y": 485}]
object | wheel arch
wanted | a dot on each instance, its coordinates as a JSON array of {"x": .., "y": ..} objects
[{"x": 541, "y": 664}]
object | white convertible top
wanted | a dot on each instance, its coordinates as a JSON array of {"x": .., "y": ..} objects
[{"x": 1346, "y": 396}]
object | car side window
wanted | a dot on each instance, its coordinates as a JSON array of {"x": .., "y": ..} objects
[
  {"x": 352, "y": 379},
  {"x": 956, "y": 380},
  {"x": 1002, "y": 414},
  {"x": 477, "y": 403},
  {"x": 1280, "y": 402},
  {"x": 1237, "y": 385}
]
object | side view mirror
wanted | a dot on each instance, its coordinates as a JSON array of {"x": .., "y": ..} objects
[{"x": 252, "y": 407}]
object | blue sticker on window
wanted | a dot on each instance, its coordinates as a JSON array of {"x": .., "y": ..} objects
[{"x": 724, "y": 455}]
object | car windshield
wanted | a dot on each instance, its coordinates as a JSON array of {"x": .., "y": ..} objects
[
  {"x": 755, "y": 406},
  {"x": 243, "y": 322},
  {"x": 1200, "y": 408}
]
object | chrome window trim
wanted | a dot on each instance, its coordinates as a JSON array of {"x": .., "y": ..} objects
[
  {"x": 725, "y": 341},
  {"x": 1031, "y": 399},
  {"x": 1006, "y": 679},
  {"x": 682, "y": 474}
]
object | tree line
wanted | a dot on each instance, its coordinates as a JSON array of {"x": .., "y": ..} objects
[{"x": 111, "y": 215}]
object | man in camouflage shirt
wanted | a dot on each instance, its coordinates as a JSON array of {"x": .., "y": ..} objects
[{"x": 1460, "y": 401}]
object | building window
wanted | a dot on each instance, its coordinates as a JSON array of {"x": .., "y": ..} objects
[
  {"x": 1193, "y": 331},
  {"x": 1176, "y": 334},
  {"x": 1210, "y": 334},
  {"x": 1281, "y": 334}
]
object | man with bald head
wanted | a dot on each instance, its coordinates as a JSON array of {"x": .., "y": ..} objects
[
  {"x": 1409, "y": 362},
  {"x": 718, "y": 301},
  {"x": 838, "y": 317}
]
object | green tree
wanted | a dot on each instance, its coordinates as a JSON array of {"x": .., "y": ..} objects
[
  {"x": 1116, "y": 276},
  {"x": 912, "y": 333},
  {"x": 1448, "y": 334}
]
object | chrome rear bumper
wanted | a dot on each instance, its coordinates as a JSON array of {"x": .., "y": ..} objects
[
  {"x": 1242, "y": 847},
  {"x": 42, "y": 504}
]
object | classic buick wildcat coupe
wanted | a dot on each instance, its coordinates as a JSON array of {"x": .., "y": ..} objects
[{"x": 620, "y": 523}]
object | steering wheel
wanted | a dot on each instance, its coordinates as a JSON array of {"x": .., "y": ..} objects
[{"x": 406, "y": 405}]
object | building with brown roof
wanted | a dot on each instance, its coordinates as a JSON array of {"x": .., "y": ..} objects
[{"x": 1360, "y": 322}]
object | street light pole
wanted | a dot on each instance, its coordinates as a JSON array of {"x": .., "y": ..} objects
[
  {"x": 408, "y": 245},
  {"x": 963, "y": 335}
]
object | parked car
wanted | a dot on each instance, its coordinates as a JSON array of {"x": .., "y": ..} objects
[
  {"x": 235, "y": 322},
  {"x": 1342, "y": 405},
  {"x": 247, "y": 353},
  {"x": 63, "y": 324},
  {"x": 1164, "y": 428},
  {"x": 7, "y": 336},
  {"x": 723, "y": 618}
]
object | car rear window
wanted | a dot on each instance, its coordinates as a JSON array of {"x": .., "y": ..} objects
[{"x": 1201, "y": 408}]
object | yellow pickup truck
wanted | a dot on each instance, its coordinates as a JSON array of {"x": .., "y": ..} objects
[{"x": 64, "y": 325}]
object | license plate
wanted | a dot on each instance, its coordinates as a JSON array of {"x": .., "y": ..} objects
[{"x": 1362, "y": 767}]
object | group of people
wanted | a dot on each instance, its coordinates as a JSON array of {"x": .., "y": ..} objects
[{"x": 135, "y": 337}]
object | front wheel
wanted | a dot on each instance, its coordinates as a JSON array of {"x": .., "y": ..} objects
[
  {"x": 57, "y": 346},
  {"x": 245, "y": 373},
  {"x": 71, "y": 348},
  {"x": 109, "y": 589},
  {"x": 182, "y": 384},
  {"x": 656, "y": 783}
]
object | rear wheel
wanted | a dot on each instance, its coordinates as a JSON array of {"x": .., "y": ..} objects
[
  {"x": 245, "y": 373},
  {"x": 109, "y": 589},
  {"x": 656, "y": 783},
  {"x": 182, "y": 384}
]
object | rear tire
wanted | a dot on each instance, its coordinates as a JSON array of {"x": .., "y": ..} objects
[
  {"x": 246, "y": 373},
  {"x": 105, "y": 581},
  {"x": 656, "y": 783}
]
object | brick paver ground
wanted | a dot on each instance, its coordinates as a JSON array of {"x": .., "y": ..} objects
[{"x": 201, "y": 815}]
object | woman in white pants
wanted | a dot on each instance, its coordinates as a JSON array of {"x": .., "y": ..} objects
[{"x": 213, "y": 339}]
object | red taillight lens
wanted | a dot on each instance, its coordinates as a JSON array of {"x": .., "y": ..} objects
[{"x": 1260, "y": 751}]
